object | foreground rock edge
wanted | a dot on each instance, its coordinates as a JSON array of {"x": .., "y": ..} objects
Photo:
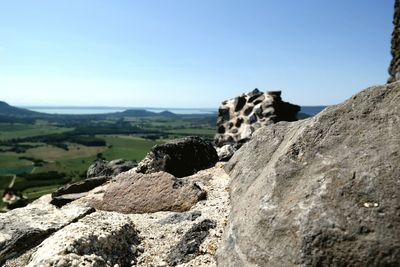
[
  {"x": 323, "y": 191},
  {"x": 160, "y": 232}
]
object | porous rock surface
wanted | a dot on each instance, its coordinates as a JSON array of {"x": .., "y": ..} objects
[
  {"x": 320, "y": 192},
  {"x": 239, "y": 117},
  {"x": 110, "y": 168},
  {"x": 23, "y": 228},
  {"x": 99, "y": 239},
  {"x": 105, "y": 238},
  {"x": 180, "y": 157},
  {"x": 163, "y": 232},
  {"x": 145, "y": 193}
]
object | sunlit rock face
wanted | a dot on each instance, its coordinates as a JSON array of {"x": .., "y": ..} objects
[
  {"x": 239, "y": 117},
  {"x": 319, "y": 192},
  {"x": 394, "y": 69}
]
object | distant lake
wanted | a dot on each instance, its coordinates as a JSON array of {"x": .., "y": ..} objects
[
  {"x": 104, "y": 110},
  {"x": 311, "y": 110}
]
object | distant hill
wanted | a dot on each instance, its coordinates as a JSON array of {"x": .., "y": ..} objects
[
  {"x": 7, "y": 110},
  {"x": 167, "y": 114},
  {"x": 137, "y": 113}
]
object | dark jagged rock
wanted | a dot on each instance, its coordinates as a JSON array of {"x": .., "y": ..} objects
[
  {"x": 394, "y": 69},
  {"x": 322, "y": 191},
  {"x": 239, "y": 117},
  {"x": 181, "y": 157},
  {"x": 147, "y": 193},
  {"x": 67, "y": 198},
  {"x": 110, "y": 168},
  {"x": 74, "y": 191},
  {"x": 188, "y": 246},
  {"x": 81, "y": 186}
]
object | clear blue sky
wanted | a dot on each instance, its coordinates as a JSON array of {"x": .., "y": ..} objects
[{"x": 187, "y": 53}]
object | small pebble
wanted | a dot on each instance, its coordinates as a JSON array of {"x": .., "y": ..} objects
[
  {"x": 140, "y": 248},
  {"x": 370, "y": 205}
]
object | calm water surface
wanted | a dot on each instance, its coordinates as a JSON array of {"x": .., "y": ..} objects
[{"x": 103, "y": 110}]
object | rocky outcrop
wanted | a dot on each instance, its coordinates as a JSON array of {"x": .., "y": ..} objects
[
  {"x": 322, "y": 191},
  {"x": 99, "y": 239},
  {"x": 24, "y": 228},
  {"x": 147, "y": 193},
  {"x": 239, "y": 117},
  {"x": 181, "y": 157},
  {"x": 394, "y": 69},
  {"x": 110, "y": 168}
]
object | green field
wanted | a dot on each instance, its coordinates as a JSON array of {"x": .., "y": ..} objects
[
  {"x": 65, "y": 146},
  {"x": 38, "y": 191},
  {"x": 74, "y": 162},
  {"x": 127, "y": 147},
  {"x": 18, "y": 130},
  {"x": 11, "y": 161},
  {"x": 207, "y": 133},
  {"x": 5, "y": 181}
]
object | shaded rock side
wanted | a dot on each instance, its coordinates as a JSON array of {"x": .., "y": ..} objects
[
  {"x": 110, "y": 168},
  {"x": 24, "y": 228},
  {"x": 394, "y": 68},
  {"x": 189, "y": 246},
  {"x": 181, "y": 157},
  {"x": 99, "y": 239},
  {"x": 74, "y": 191},
  {"x": 320, "y": 192},
  {"x": 146, "y": 193},
  {"x": 239, "y": 117}
]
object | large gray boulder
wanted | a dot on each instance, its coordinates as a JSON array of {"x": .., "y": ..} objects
[
  {"x": 180, "y": 157},
  {"x": 320, "y": 192}
]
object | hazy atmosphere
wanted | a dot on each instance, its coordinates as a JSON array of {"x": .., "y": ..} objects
[{"x": 190, "y": 53}]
